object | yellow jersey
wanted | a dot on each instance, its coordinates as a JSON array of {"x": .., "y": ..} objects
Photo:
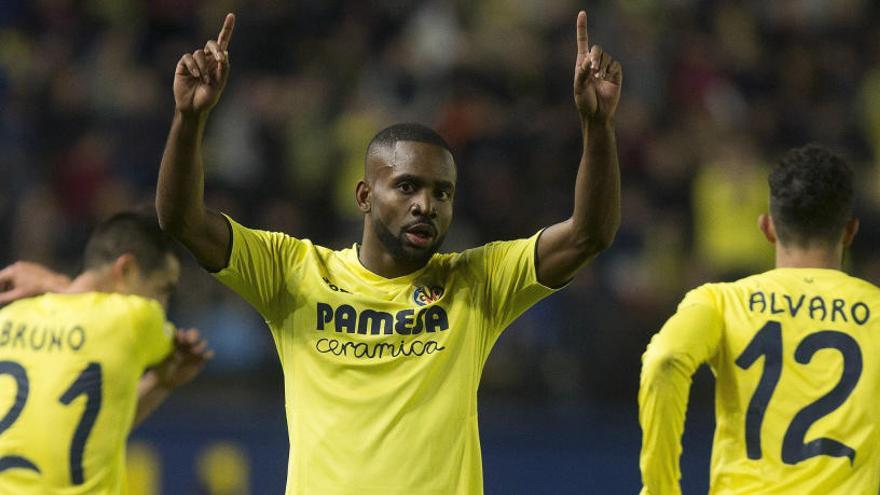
[
  {"x": 796, "y": 356},
  {"x": 69, "y": 369},
  {"x": 380, "y": 374}
]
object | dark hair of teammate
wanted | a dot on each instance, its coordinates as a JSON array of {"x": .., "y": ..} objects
[
  {"x": 133, "y": 233},
  {"x": 407, "y": 131},
  {"x": 811, "y": 196}
]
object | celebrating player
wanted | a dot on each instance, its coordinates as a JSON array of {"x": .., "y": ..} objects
[
  {"x": 382, "y": 344},
  {"x": 72, "y": 363},
  {"x": 792, "y": 349}
]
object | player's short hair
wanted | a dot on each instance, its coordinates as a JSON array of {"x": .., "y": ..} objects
[
  {"x": 811, "y": 196},
  {"x": 407, "y": 131},
  {"x": 132, "y": 233}
]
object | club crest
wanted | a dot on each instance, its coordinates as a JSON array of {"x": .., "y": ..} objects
[{"x": 427, "y": 295}]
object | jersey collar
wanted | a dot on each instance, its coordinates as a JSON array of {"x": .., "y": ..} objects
[{"x": 354, "y": 262}]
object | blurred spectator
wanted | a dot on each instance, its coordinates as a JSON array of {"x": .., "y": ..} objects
[{"x": 730, "y": 191}]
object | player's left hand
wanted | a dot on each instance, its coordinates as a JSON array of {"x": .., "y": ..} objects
[
  {"x": 25, "y": 279},
  {"x": 200, "y": 76},
  {"x": 597, "y": 78},
  {"x": 190, "y": 354}
]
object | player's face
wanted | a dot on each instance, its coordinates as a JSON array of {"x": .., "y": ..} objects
[
  {"x": 412, "y": 200},
  {"x": 159, "y": 284}
]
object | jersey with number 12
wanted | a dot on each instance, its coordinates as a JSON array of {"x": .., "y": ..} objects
[
  {"x": 69, "y": 369},
  {"x": 796, "y": 354}
]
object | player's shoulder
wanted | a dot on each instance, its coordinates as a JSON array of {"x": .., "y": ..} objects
[
  {"x": 488, "y": 257},
  {"x": 816, "y": 278},
  {"x": 855, "y": 290},
  {"x": 717, "y": 293},
  {"x": 747, "y": 283},
  {"x": 112, "y": 304},
  {"x": 714, "y": 289},
  {"x": 324, "y": 252},
  {"x": 275, "y": 238},
  {"x": 862, "y": 285},
  {"x": 80, "y": 300},
  {"x": 742, "y": 285},
  {"x": 123, "y": 305},
  {"x": 104, "y": 306},
  {"x": 21, "y": 306},
  {"x": 805, "y": 280},
  {"x": 464, "y": 260},
  {"x": 487, "y": 249}
]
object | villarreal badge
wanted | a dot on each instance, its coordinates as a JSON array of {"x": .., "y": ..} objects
[{"x": 424, "y": 295}]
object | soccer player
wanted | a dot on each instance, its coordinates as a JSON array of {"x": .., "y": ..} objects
[
  {"x": 793, "y": 351},
  {"x": 72, "y": 363},
  {"x": 382, "y": 344}
]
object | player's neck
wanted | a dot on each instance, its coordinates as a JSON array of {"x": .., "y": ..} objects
[
  {"x": 88, "y": 281},
  {"x": 815, "y": 257},
  {"x": 375, "y": 258}
]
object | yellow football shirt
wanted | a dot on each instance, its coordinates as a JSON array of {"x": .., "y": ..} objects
[
  {"x": 795, "y": 356},
  {"x": 69, "y": 369},
  {"x": 381, "y": 375}
]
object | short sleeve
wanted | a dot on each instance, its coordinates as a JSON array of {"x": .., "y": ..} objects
[
  {"x": 153, "y": 333},
  {"x": 511, "y": 277},
  {"x": 258, "y": 265}
]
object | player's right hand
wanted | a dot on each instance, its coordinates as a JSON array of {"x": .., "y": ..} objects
[
  {"x": 189, "y": 356},
  {"x": 201, "y": 75}
]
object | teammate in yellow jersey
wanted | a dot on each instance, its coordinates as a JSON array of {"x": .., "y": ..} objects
[
  {"x": 72, "y": 363},
  {"x": 795, "y": 352},
  {"x": 382, "y": 344}
]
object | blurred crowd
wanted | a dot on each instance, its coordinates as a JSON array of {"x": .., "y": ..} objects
[{"x": 714, "y": 92}]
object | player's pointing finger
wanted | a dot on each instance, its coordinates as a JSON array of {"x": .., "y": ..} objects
[
  {"x": 582, "y": 39},
  {"x": 214, "y": 49},
  {"x": 226, "y": 31}
]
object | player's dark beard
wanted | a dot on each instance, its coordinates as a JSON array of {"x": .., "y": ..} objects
[{"x": 394, "y": 245}]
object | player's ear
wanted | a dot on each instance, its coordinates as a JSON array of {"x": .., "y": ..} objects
[
  {"x": 765, "y": 224},
  {"x": 363, "y": 196},
  {"x": 125, "y": 267},
  {"x": 850, "y": 231}
]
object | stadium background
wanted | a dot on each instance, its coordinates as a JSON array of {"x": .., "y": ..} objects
[{"x": 713, "y": 93}]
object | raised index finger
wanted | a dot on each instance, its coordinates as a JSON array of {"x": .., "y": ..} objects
[
  {"x": 226, "y": 31},
  {"x": 583, "y": 41}
]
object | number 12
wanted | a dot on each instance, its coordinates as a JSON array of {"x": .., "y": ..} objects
[{"x": 768, "y": 343}]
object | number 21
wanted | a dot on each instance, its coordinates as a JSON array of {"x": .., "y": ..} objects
[
  {"x": 768, "y": 343},
  {"x": 88, "y": 383}
]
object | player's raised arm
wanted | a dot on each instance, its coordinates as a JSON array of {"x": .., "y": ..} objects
[
  {"x": 198, "y": 82},
  {"x": 565, "y": 247}
]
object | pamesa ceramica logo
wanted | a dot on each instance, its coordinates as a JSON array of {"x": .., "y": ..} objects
[{"x": 424, "y": 295}]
